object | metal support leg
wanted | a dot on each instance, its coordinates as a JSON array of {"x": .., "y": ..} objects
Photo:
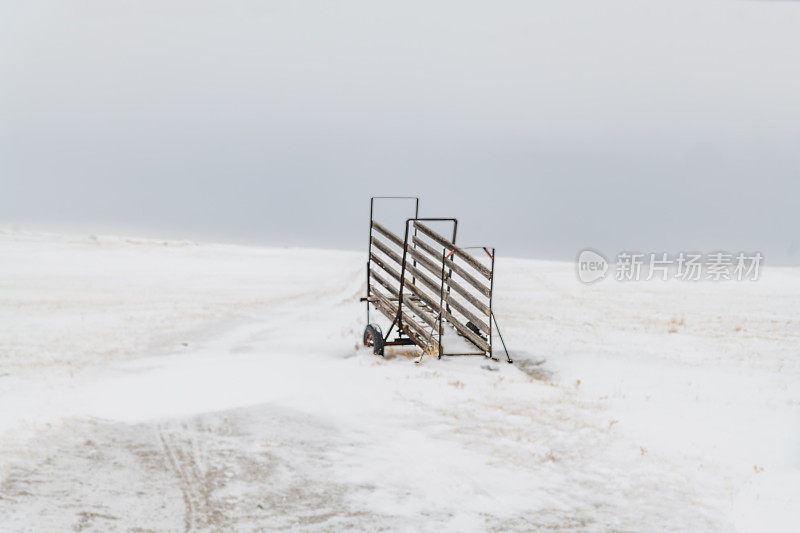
[
  {"x": 501, "y": 338},
  {"x": 389, "y": 332}
]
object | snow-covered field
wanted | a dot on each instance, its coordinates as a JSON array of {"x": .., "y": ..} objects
[{"x": 150, "y": 385}]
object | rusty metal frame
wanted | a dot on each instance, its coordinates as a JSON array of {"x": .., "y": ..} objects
[
  {"x": 403, "y": 271},
  {"x": 371, "y": 220},
  {"x": 408, "y": 330}
]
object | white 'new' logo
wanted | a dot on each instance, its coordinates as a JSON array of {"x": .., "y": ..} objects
[{"x": 591, "y": 266}]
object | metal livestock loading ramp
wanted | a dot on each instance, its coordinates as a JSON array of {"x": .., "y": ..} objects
[{"x": 436, "y": 295}]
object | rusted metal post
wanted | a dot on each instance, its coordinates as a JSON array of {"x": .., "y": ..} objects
[
  {"x": 491, "y": 298},
  {"x": 369, "y": 251},
  {"x": 441, "y": 303}
]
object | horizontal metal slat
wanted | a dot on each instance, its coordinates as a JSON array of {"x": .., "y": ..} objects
[
  {"x": 406, "y": 320},
  {"x": 388, "y": 234},
  {"x": 427, "y": 316},
  {"x": 471, "y": 261},
  {"x": 424, "y": 297},
  {"x": 391, "y": 254},
  {"x": 473, "y": 337},
  {"x": 469, "y": 278},
  {"x": 455, "y": 304},
  {"x": 378, "y": 261},
  {"x": 388, "y": 286}
]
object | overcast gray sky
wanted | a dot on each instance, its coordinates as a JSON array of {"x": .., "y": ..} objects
[{"x": 544, "y": 127}]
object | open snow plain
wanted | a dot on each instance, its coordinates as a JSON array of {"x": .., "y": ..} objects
[{"x": 166, "y": 386}]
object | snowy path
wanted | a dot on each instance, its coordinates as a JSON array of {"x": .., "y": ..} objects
[{"x": 174, "y": 386}]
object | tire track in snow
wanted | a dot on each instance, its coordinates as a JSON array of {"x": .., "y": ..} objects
[
  {"x": 188, "y": 517},
  {"x": 186, "y": 458},
  {"x": 183, "y": 459}
]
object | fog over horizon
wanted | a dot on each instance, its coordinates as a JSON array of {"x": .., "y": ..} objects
[{"x": 543, "y": 127}]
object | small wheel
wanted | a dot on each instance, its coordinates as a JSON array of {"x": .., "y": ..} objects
[
  {"x": 374, "y": 337},
  {"x": 475, "y": 330}
]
